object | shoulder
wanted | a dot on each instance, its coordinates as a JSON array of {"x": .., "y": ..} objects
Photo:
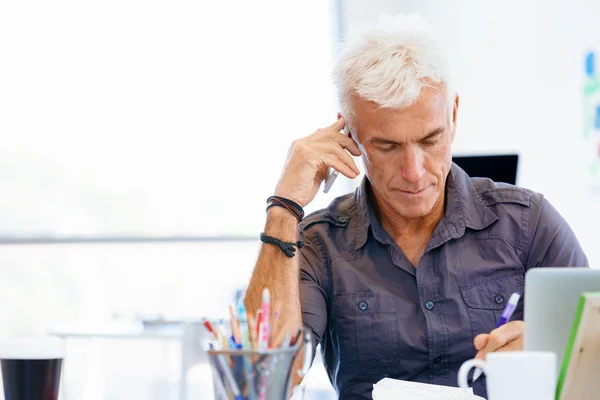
[
  {"x": 527, "y": 207},
  {"x": 495, "y": 193},
  {"x": 332, "y": 231},
  {"x": 336, "y": 215}
]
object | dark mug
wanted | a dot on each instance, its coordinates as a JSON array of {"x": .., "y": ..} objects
[{"x": 31, "y": 368}]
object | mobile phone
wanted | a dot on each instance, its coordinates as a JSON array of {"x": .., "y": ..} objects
[{"x": 332, "y": 173}]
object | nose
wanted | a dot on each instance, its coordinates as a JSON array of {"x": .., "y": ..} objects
[{"x": 412, "y": 167}]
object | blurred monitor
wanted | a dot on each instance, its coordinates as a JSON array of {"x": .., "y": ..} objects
[{"x": 499, "y": 168}]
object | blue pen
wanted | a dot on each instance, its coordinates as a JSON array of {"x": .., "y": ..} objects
[{"x": 504, "y": 318}]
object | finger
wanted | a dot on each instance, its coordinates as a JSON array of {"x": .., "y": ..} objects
[
  {"x": 286, "y": 328},
  {"x": 349, "y": 144},
  {"x": 338, "y": 125},
  {"x": 480, "y": 341},
  {"x": 274, "y": 325},
  {"x": 515, "y": 345},
  {"x": 503, "y": 335},
  {"x": 345, "y": 157},
  {"x": 333, "y": 161}
]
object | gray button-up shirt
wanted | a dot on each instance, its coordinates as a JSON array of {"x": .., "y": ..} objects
[{"x": 377, "y": 316}]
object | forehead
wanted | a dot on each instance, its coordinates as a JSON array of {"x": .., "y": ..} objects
[{"x": 368, "y": 119}]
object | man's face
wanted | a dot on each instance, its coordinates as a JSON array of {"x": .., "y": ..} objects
[{"x": 407, "y": 152}]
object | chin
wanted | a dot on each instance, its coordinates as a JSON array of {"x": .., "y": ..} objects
[{"x": 416, "y": 211}]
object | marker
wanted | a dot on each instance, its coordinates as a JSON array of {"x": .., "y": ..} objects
[
  {"x": 243, "y": 318},
  {"x": 252, "y": 331},
  {"x": 209, "y": 327},
  {"x": 246, "y": 345},
  {"x": 504, "y": 318},
  {"x": 266, "y": 309},
  {"x": 261, "y": 331},
  {"x": 233, "y": 345},
  {"x": 222, "y": 335},
  {"x": 235, "y": 327},
  {"x": 263, "y": 338}
]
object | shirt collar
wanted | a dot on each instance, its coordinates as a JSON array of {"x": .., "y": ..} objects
[{"x": 464, "y": 209}]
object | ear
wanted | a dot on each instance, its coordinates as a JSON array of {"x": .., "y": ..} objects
[{"x": 454, "y": 116}]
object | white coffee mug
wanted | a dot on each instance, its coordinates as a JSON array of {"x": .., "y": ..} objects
[{"x": 515, "y": 375}]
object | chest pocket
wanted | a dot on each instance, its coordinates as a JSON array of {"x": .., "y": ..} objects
[
  {"x": 366, "y": 326},
  {"x": 487, "y": 297}
]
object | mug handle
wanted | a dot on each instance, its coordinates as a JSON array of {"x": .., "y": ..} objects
[{"x": 463, "y": 372}]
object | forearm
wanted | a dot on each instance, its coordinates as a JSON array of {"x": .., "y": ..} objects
[
  {"x": 305, "y": 167},
  {"x": 278, "y": 272}
]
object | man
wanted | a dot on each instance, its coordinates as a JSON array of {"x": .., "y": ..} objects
[{"x": 406, "y": 277}]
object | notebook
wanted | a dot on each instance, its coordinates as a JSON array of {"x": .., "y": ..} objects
[
  {"x": 394, "y": 389},
  {"x": 578, "y": 377}
]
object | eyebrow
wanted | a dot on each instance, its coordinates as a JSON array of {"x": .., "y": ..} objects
[{"x": 431, "y": 134}]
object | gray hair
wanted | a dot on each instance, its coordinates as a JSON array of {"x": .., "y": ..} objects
[{"x": 388, "y": 63}]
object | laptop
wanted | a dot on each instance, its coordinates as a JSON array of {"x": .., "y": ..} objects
[{"x": 551, "y": 298}]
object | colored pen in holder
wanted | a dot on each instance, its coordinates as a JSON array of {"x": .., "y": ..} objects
[{"x": 257, "y": 375}]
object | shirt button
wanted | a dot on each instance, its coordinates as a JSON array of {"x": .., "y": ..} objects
[
  {"x": 437, "y": 359},
  {"x": 499, "y": 299},
  {"x": 363, "y": 305},
  {"x": 342, "y": 219},
  {"x": 429, "y": 305}
]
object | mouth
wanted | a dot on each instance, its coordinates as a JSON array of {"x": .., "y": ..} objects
[{"x": 413, "y": 192}]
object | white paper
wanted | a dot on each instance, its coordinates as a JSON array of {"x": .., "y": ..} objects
[{"x": 393, "y": 389}]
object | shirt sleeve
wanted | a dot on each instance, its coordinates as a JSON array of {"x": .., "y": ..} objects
[
  {"x": 554, "y": 244},
  {"x": 313, "y": 295}
]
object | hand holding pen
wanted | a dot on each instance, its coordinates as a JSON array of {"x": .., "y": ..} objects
[{"x": 505, "y": 337}]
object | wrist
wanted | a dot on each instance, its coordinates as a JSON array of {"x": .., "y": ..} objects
[
  {"x": 290, "y": 193},
  {"x": 293, "y": 207},
  {"x": 281, "y": 223}
]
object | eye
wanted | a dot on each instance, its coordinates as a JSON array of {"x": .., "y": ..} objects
[
  {"x": 429, "y": 142},
  {"x": 386, "y": 149}
]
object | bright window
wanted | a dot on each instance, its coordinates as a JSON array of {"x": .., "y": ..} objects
[{"x": 138, "y": 118}]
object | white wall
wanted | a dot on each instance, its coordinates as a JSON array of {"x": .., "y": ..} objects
[{"x": 519, "y": 70}]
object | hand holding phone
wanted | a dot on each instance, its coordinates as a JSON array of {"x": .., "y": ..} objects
[
  {"x": 326, "y": 147},
  {"x": 332, "y": 173}
]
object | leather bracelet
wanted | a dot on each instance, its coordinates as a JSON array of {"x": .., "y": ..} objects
[
  {"x": 290, "y": 205},
  {"x": 286, "y": 247}
]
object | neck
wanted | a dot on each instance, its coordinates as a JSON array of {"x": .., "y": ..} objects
[{"x": 400, "y": 227}]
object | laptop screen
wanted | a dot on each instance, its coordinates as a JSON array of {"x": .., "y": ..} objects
[{"x": 499, "y": 168}]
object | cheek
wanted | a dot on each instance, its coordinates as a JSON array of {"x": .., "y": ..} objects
[
  {"x": 439, "y": 160},
  {"x": 376, "y": 167}
]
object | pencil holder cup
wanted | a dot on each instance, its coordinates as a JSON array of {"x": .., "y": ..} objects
[{"x": 257, "y": 375}]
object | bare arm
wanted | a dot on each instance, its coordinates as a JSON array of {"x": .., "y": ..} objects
[
  {"x": 281, "y": 275},
  {"x": 303, "y": 173},
  {"x": 278, "y": 272}
]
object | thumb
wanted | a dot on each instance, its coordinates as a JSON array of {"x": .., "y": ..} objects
[{"x": 481, "y": 341}]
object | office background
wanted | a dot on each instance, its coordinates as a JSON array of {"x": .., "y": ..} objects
[{"x": 140, "y": 141}]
